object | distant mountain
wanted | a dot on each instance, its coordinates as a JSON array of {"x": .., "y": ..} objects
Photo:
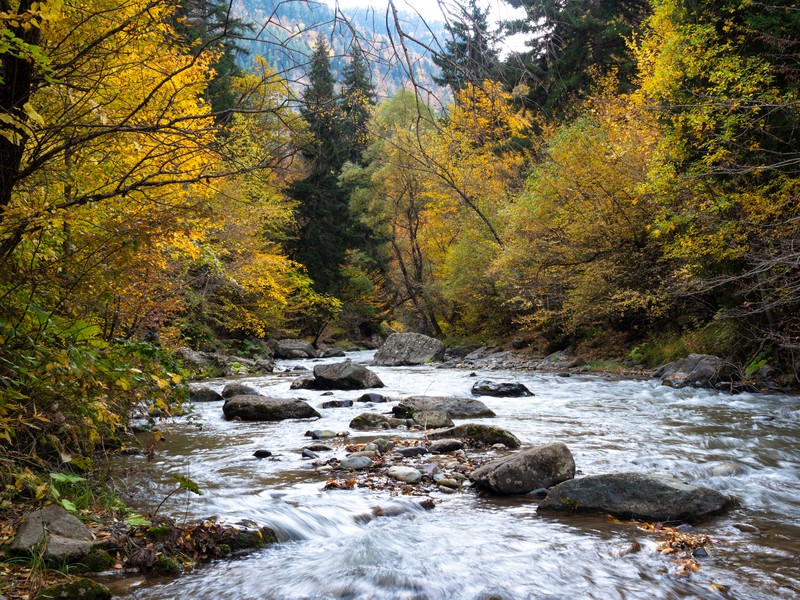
[{"x": 286, "y": 29}]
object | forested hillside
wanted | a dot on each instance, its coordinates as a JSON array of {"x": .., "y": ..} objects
[
  {"x": 284, "y": 32},
  {"x": 629, "y": 188}
]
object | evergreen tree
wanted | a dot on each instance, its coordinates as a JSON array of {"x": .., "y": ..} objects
[
  {"x": 357, "y": 101},
  {"x": 323, "y": 214},
  {"x": 571, "y": 43},
  {"x": 469, "y": 54},
  {"x": 208, "y": 23}
]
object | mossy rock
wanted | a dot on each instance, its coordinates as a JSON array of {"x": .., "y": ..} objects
[
  {"x": 96, "y": 561},
  {"x": 83, "y": 588},
  {"x": 159, "y": 533},
  {"x": 165, "y": 565}
]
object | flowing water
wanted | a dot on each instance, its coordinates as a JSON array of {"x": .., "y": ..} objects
[{"x": 475, "y": 546}]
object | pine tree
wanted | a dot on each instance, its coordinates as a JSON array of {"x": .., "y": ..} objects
[
  {"x": 323, "y": 214},
  {"x": 469, "y": 55},
  {"x": 571, "y": 43},
  {"x": 357, "y": 101}
]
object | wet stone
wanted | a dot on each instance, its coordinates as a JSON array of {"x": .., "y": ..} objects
[
  {"x": 404, "y": 474},
  {"x": 356, "y": 463},
  {"x": 309, "y": 454},
  {"x": 319, "y": 448},
  {"x": 324, "y": 434},
  {"x": 380, "y": 444},
  {"x": 412, "y": 451},
  {"x": 337, "y": 404},
  {"x": 262, "y": 453},
  {"x": 446, "y": 445}
]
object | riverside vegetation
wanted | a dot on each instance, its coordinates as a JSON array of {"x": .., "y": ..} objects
[{"x": 626, "y": 189}]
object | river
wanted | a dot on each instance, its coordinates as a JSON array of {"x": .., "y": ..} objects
[{"x": 478, "y": 547}]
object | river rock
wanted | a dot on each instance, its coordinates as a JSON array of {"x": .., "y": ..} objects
[
  {"x": 262, "y": 453},
  {"x": 500, "y": 389},
  {"x": 696, "y": 370},
  {"x": 432, "y": 419},
  {"x": 380, "y": 444},
  {"x": 636, "y": 496},
  {"x": 203, "y": 393},
  {"x": 456, "y": 408},
  {"x": 307, "y": 453},
  {"x": 356, "y": 463},
  {"x": 373, "y": 397},
  {"x": 409, "y": 349},
  {"x": 480, "y": 433},
  {"x": 337, "y": 404},
  {"x": 376, "y": 421},
  {"x": 291, "y": 348},
  {"x": 445, "y": 445},
  {"x": 345, "y": 375},
  {"x": 81, "y": 588},
  {"x": 67, "y": 540},
  {"x": 411, "y": 451},
  {"x": 236, "y": 388},
  {"x": 324, "y": 434},
  {"x": 262, "y": 408},
  {"x": 525, "y": 471},
  {"x": 404, "y": 474}
]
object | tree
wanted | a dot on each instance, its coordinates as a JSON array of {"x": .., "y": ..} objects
[
  {"x": 357, "y": 101},
  {"x": 469, "y": 55},
  {"x": 322, "y": 214},
  {"x": 571, "y": 44}
]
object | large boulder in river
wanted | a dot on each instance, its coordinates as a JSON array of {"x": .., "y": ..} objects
[
  {"x": 475, "y": 432},
  {"x": 261, "y": 408},
  {"x": 295, "y": 349},
  {"x": 455, "y": 407},
  {"x": 500, "y": 389},
  {"x": 64, "y": 538},
  {"x": 526, "y": 471},
  {"x": 202, "y": 393},
  {"x": 696, "y": 370},
  {"x": 237, "y": 388},
  {"x": 409, "y": 349},
  {"x": 345, "y": 375},
  {"x": 636, "y": 496}
]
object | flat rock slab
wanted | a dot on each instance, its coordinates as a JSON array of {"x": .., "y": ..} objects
[
  {"x": 500, "y": 389},
  {"x": 453, "y": 406},
  {"x": 480, "y": 433},
  {"x": 262, "y": 408},
  {"x": 409, "y": 349},
  {"x": 636, "y": 496},
  {"x": 526, "y": 471}
]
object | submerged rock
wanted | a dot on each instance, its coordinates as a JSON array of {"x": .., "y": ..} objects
[
  {"x": 262, "y": 408},
  {"x": 409, "y": 349},
  {"x": 500, "y": 389},
  {"x": 372, "y": 397},
  {"x": 479, "y": 433},
  {"x": 454, "y": 407},
  {"x": 635, "y": 496},
  {"x": 337, "y": 404},
  {"x": 525, "y": 471}
]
